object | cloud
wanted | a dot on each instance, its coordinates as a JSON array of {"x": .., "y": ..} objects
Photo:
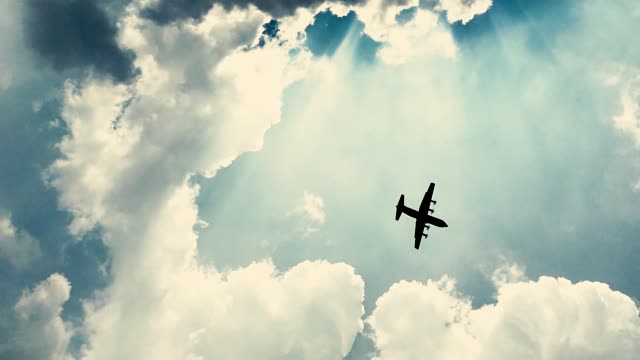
[
  {"x": 463, "y": 10},
  {"x": 365, "y": 25},
  {"x": 328, "y": 32},
  {"x": 313, "y": 207},
  {"x": 131, "y": 150},
  {"x": 17, "y": 246},
  {"x": 628, "y": 119},
  {"x": 507, "y": 274},
  {"x": 181, "y": 309},
  {"x": 27, "y": 146},
  {"x": 519, "y": 147},
  {"x": 550, "y": 318},
  {"x": 126, "y": 165},
  {"x": 310, "y": 213},
  {"x": 381, "y": 31},
  {"x": 57, "y": 31},
  {"x": 419, "y": 36},
  {"x": 41, "y": 333},
  {"x": 185, "y": 114}
]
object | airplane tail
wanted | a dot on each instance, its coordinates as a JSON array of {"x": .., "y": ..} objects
[{"x": 400, "y": 207}]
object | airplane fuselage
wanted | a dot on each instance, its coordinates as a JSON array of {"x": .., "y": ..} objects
[{"x": 423, "y": 217}]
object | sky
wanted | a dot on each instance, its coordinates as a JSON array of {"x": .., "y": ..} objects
[{"x": 217, "y": 179}]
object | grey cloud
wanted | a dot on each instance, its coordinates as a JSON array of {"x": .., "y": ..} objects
[
  {"x": 77, "y": 34},
  {"x": 17, "y": 246},
  {"x": 40, "y": 332}
]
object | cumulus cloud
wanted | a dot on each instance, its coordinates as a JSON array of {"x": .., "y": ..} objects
[
  {"x": 250, "y": 313},
  {"x": 181, "y": 309},
  {"x": 185, "y": 114},
  {"x": 57, "y": 30},
  {"x": 403, "y": 40},
  {"x": 463, "y": 10},
  {"x": 418, "y": 36},
  {"x": 131, "y": 147},
  {"x": 550, "y": 318},
  {"x": 126, "y": 165},
  {"x": 41, "y": 333},
  {"x": 17, "y": 247}
]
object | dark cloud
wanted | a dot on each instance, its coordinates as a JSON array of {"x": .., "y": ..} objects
[
  {"x": 77, "y": 34},
  {"x": 166, "y": 11}
]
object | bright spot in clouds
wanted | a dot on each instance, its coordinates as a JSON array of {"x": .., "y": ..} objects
[
  {"x": 628, "y": 120},
  {"x": 310, "y": 209}
]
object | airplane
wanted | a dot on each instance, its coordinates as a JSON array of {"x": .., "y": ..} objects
[{"x": 421, "y": 215}]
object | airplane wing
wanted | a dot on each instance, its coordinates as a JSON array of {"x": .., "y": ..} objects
[
  {"x": 418, "y": 233},
  {"x": 427, "y": 199}
]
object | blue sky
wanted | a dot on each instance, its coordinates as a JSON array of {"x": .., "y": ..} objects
[{"x": 169, "y": 174}]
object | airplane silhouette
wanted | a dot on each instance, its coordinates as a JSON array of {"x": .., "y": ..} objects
[{"x": 422, "y": 215}]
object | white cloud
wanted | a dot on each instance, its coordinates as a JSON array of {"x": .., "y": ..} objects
[
  {"x": 507, "y": 274},
  {"x": 312, "y": 312},
  {"x": 463, "y": 10},
  {"x": 195, "y": 113},
  {"x": 180, "y": 309},
  {"x": 17, "y": 246},
  {"x": 186, "y": 114},
  {"x": 414, "y": 321},
  {"x": 313, "y": 207},
  {"x": 546, "y": 319},
  {"x": 41, "y": 333},
  {"x": 126, "y": 164},
  {"x": 403, "y": 42},
  {"x": 628, "y": 120},
  {"x": 310, "y": 211},
  {"x": 417, "y": 37},
  {"x": 379, "y": 17},
  {"x": 624, "y": 80}
]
